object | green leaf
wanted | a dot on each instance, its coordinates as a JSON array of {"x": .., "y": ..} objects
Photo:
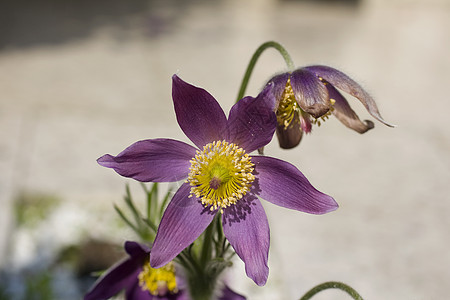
[
  {"x": 129, "y": 201},
  {"x": 150, "y": 224},
  {"x": 125, "y": 219},
  {"x": 153, "y": 195}
]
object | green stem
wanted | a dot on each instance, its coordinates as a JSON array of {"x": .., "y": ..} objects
[
  {"x": 254, "y": 59},
  {"x": 201, "y": 288},
  {"x": 332, "y": 285},
  {"x": 205, "y": 254}
]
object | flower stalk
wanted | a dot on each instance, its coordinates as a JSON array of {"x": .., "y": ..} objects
[
  {"x": 251, "y": 65},
  {"x": 211, "y": 261},
  {"x": 332, "y": 285}
]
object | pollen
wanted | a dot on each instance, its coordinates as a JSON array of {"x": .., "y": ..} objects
[
  {"x": 287, "y": 107},
  {"x": 325, "y": 116},
  {"x": 220, "y": 175},
  {"x": 159, "y": 281}
]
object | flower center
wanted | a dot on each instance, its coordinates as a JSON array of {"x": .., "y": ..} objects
[
  {"x": 220, "y": 174},
  {"x": 288, "y": 106},
  {"x": 288, "y": 109},
  {"x": 325, "y": 116},
  {"x": 158, "y": 281}
]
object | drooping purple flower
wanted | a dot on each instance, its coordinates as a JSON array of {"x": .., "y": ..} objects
[
  {"x": 141, "y": 282},
  {"x": 310, "y": 93},
  {"x": 221, "y": 176}
]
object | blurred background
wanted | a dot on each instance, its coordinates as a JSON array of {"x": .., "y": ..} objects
[{"x": 79, "y": 79}]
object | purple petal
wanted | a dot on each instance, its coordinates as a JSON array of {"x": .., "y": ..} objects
[
  {"x": 252, "y": 122},
  {"x": 348, "y": 85},
  {"x": 283, "y": 184},
  {"x": 123, "y": 275},
  {"x": 246, "y": 228},
  {"x": 199, "y": 115},
  {"x": 136, "y": 250},
  {"x": 305, "y": 122},
  {"x": 157, "y": 160},
  {"x": 137, "y": 293},
  {"x": 279, "y": 85},
  {"x": 310, "y": 93},
  {"x": 291, "y": 136},
  {"x": 181, "y": 295},
  {"x": 229, "y": 294},
  {"x": 183, "y": 221},
  {"x": 344, "y": 113}
]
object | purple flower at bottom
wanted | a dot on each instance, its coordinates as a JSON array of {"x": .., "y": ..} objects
[
  {"x": 307, "y": 94},
  {"x": 221, "y": 176},
  {"x": 141, "y": 282}
]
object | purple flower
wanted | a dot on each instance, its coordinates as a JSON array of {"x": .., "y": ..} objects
[
  {"x": 141, "y": 282},
  {"x": 221, "y": 176},
  {"x": 309, "y": 93}
]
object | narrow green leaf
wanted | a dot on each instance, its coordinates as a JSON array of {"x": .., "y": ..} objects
[
  {"x": 144, "y": 187},
  {"x": 149, "y": 199},
  {"x": 153, "y": 195},
  {"x": 129, "y": 201},
  {"x": 150, "y": 224},
  {"x": 124, "y": 218}
]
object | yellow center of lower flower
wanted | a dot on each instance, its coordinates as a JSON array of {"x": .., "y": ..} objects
[
  {"x": 287, "y": 106},
  {"x": 220, "y": 174},
  {"x": 158, "y": 281}
]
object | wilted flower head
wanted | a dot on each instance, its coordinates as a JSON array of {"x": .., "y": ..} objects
[
  {"x": 142, "y": 282},
  {"x": 221, "y": 176},
  {"x": 309, "y": 94}
]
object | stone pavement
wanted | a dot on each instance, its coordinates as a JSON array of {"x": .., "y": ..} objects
[{"x": 77, "y": 84}]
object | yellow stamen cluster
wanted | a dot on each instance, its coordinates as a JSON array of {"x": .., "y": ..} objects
[
  {"x": 220, "y": 174},
  {"x": 287, "y": 106},
  {"x": 325, "y": 116},
  {"x": 158, "y": 281}
]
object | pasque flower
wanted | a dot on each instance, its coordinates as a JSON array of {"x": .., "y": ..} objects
[
  {"x": 142, "y": 282},
  {"x": 309, "y": 94},
  {"x": 220, "y": 176}
]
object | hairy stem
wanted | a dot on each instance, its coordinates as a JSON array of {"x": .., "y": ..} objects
[
  {"x": 332, "y": 285},
  {"x": 254, "y": 59}
]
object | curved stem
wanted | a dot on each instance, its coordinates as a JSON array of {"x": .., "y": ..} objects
[
  {"x": 254, "y": 59},
  {"x": 332, "y": 285}
]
